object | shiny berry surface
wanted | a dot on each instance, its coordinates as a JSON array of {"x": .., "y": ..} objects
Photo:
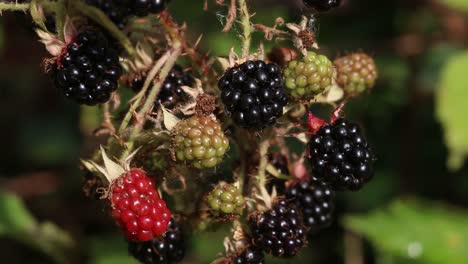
[
  {"x": 137, "y": 207},
  {"x": 253, "y": 93},
  {"x": 166, "y": 249},
  {"x": 315, "y": 202},
  {"x": 278, "y": 231},
  {"x": 88, "y": 70},
  {"x": 250, "y": 255},
  {"x": 322, "y": 5},
  {"x": 341, "y": 157}
]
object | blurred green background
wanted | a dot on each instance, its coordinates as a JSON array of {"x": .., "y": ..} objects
[{"x": 414, "y": 211}]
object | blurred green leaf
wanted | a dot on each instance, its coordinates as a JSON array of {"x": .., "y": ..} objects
[
  {"x": 456, "y": 4},
  {"x": 423, "y": 232},
  {"x": 452, "y": 108},
  {"x": 110, "y": 249},
  {"x": 17, "y": 223}
]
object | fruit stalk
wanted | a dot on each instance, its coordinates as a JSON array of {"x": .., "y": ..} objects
[
  {"x": 60, "y": 18},
  {"x": 246, "y": 27},
  {"x": 151, "y": 98}
]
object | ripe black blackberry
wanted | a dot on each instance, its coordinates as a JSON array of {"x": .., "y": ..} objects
[
  {"x": 315, "y": 202},
  {"x": 253, "y": 93},
  {"x": 170, "y": 248},
  {"x": 322, "y": 5},
  {"x": 88, "y": 70},
  {"x": 171, "y": 92},
  {"x": 120, "y": 11},
  {"x": 340, "y": 156},
  {"x": 278, "y": 231},
  {"x": 249, "y": 255}
]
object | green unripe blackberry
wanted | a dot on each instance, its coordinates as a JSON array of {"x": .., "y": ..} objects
[
  {"x": 356, "y": 73},
  {"x": 309, "y": 76},
  {"x": 225, "y": 199},
  {"x": 200, "y": 142}
]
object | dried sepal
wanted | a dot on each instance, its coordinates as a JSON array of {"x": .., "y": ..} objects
[
  {"x": 53, "y": 45},
  {"x": 170, "y": 120},
  {"x": 303, "y": 37}
]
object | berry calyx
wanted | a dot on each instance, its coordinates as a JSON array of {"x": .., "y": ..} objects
[
  {"x": 88, "y": 69},
  {"x": 225, "y": 199},
  {"x": 200, "y": 142},
  {"x": 340, "y": 156},
  {"x": 356, "y": 73},
  {"x": 322, "y": 5},
  {"x": 278, "y": 231},
  {"x": 309, "y": 76},
  {"x": 137, "y": 207},
  {"x": 315, "y": 202},
  {"x": 169, "y": 248},
  {"x": 253, "y": 93}
]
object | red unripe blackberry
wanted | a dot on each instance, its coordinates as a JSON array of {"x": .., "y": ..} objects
[
  {"x": 249, "y": 255},
  {"x": 314, "y": 201},
  {"x": 322, "y": 5},
  {"x": 253, "y": 93},
  {"x": 137, "y": 207},
  {"x": 340, "y": 156},
  {"x": 278, "y": 231},
  {"x": 169, "y": 248},
  {"x": 171, "y": 91},
  {"x": 120, "y": 11},
  {"x": 88, "y": 69}
]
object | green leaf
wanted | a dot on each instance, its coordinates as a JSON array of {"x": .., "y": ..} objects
[
  {"x": 423, "y": 232},
  {"x": 452, "y": 108},
  {"x": 456, "y": 4},
  {"x": 109, "y": 249},
  {"x": 17, "y": 223}
]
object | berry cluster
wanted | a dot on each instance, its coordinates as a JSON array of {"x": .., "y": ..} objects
[
  {"x": 249, "y": 255},
  {"x": 340, "y": 156},
  {"x": 315, "y": 202},
  {"x": 120, "y": 11},
  {"x": 308, "y": 77},
  {"x": 88, "y": 69},
  {"x": 356, "y": 73},
  {"x": 200, "y": 141},
  {"x": 322, "y": 5},
  {"x": 171, "y": 92},
  {"x": 278, "y": 231},
  {"x": 253, "y": 93},
  {"x": 225, "y": 199},
  {"x": 137, "y": 207},
  {"x": 169, "y": 248}
]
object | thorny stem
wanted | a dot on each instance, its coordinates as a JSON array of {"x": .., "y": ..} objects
[
  {"x": 149, "y": 79},
  {"x": 263, "y": 152},
  {"x": 101, "y": 18},
  {"x": 14, "y": 7},
  {"x": 151, "y": 98},
  {"x": 246, "y": 27}
]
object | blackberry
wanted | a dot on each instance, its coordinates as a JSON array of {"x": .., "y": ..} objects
[
  {"x": 171, "y": 92},
  {"x": 308, "y": 77},
  {"x": 322, "y": 5},
  {"x": 278, "y": 231},
  {"x": 89, "y": 69},
  {"x": 356, "y": 73},
  {"x": 249, "y": 255},
  {"x": 315, "y": 202},
  {"x": 253, "y": 93},
  {"x": 280, "y": 163},
  {"x": 169, "y": 248},
  {"x": 341, "y": 156},
  {"x": 225, "y": 199},
  {"x": 119, "y": 11},
  {"x": 199, "y": 141}
]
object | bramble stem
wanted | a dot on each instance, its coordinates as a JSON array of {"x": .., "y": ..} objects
[
  {"x": 101, "y": 18},
  {"x": 151, "y": 98},
  {"x": 246, "y": 27},
  {"x": 60, "y": 18},
  {"x": 14, "y": 7},
  {"x": 263, "y": 152}
]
